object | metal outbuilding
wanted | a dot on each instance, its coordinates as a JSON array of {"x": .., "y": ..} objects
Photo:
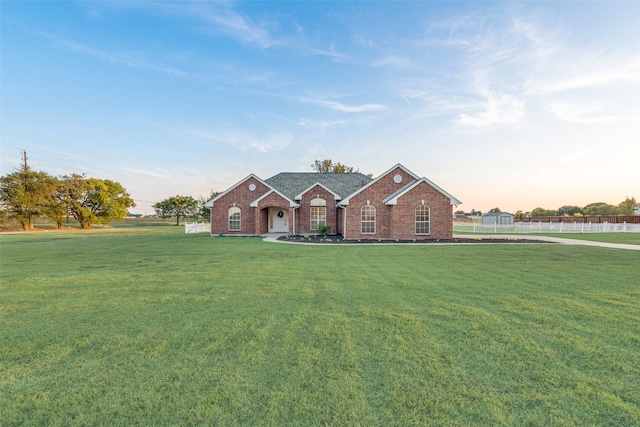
[{"x": 499, "y": 218}]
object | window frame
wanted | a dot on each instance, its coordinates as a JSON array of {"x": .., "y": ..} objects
[
  {"x": 317, "y": 212},
  {"x": 420, "y": 223},
  {"x": 317, "y": 216},
  {"x": 231, "y": 213},
  {"x": 369, "y": 223}
]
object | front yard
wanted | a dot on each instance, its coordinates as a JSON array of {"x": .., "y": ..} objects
[{"x": 155, "y": 327}]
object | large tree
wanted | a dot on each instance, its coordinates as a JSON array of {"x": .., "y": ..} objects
[
  {"x": 569, "y": 210},
  {"x": 327, "y": 166},
  {"x": 25, "y": 194},
  {"x": 96, "y": 201},
  {"x": 177, "y": 206},
  {"x": 599, "y": 208},
  {"x": 628, "y": 206},
  {"x": 544, "y": 212},
  {"x": 57, "y": 208}
]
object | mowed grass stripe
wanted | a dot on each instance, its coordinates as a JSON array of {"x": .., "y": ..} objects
[{"x": 126, "y": 327}]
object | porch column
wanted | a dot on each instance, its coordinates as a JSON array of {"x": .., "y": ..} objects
[{"x": 257, "y": 221}]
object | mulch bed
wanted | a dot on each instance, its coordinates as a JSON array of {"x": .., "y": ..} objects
[{"x": 339, "y": 239}]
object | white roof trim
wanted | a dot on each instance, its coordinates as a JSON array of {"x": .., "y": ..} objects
[
  {"x": 345, "y": 201},
  {"x": 393, "y": 200},
  {"x": 209, "y": 204},
  {"x": 335, "y": 195},
  {"x": 254, "y": 204},
  {"x": 498, "y": 214}
]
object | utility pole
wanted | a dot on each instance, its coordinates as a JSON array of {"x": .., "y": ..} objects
[{"x": 25, "y": 165}]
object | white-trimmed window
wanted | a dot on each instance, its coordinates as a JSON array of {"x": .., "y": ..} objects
[
  {"x": 368, "y": 220},
  {"x": 234, "y": 219},
  {"x": 422, "y": 220},
  {"x": 318, "y": 212}
]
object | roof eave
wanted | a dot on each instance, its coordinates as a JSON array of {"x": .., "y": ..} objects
[
  {"x": 373, "y": 181},
  {"x": 335, "y": 195},
  {"x": 394, "y": 200},
  {"x": 209, "y": 204},
  {"x": 255, "y": 203}
]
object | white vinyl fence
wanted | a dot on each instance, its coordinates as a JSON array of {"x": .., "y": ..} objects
[
  {"x": 197, "y": 227},
  {"x": 547, "y": 227}
]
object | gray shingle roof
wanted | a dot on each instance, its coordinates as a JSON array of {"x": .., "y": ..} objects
[{"x": 293, "y": 183}]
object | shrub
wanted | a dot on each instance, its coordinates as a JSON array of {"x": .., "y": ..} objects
[{"x": 323, "y": 229}]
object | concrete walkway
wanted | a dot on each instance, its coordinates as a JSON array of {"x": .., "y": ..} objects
[
  {"x": 274, "y": 238},
  {"x": 556, "y": 240}
]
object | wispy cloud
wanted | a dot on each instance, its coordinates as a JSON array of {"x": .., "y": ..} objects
[
  {"x": 125, "y": 58},
  {"x": 320, "y": 124},
  {"x": 264, "y": 144},
  {"x": 504, "y": 68},
  {"x": 362, "y": 108},
  {"x": 494, "y": 109},
  {"x": 231, "y": 138},
  {"x": 603, "y": 70},
  {"x": 242, "y": 140},
  {"x": 224, "y": 19},
  {"x": 212, "y": 72},
  {"x": 394, "y": 61}
]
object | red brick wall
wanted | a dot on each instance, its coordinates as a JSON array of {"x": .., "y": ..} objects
[
  {"x": 375, "y": 194},
  {"x": 440, "y": 212},
  {"x": 398, "y": 221},
  {"x": 242, "y": 197},
  {"x": 303, "y": 221}
]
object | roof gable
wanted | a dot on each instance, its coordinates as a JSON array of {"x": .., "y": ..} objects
[
  {"x": 336, "y": 196},
  {"x": 345, "y": 201},
  {"x": 268, "y": 193},
  {"x": 212, "y": 201},
  {"x": 393, "y": 199}
]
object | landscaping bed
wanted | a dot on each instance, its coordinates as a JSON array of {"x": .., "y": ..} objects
[{"x": 341, "y": 240}]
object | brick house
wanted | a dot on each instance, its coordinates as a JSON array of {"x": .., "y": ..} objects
[{"x": 396, "y": 205}]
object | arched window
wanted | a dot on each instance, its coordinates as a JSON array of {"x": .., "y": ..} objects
[
  {"x": 368, "y": 220},
  {"x": 234, "y": 219},
  {"x": 318, "y": 212},
  {"x": 422, "y": 220}
]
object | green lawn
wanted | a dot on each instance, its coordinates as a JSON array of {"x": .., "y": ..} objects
[{"x": 149, "y": 326}]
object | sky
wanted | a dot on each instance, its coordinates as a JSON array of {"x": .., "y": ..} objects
[{"x": 514, "y": 105}]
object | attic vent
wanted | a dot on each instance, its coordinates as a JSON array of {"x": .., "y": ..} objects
[
  {"x": 252, "y": 187},
  {"x": 397, "y": 179}
]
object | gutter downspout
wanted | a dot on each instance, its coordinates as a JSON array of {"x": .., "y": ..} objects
[
  {"x": 293, "y": 212},
  {"x": 344, "y": 221}
]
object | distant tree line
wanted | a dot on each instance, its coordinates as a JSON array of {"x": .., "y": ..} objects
[
  {"x": 27, "y": 194},
  {"x": 627, "y": 207}
]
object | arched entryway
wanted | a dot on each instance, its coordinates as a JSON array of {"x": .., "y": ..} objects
[{"x": 278, "y": 219}]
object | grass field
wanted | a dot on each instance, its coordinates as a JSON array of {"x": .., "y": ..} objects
[{"x": 149, "y": 326}]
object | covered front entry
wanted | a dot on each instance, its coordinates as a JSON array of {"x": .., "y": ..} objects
[{"x": 278, "y": 220}]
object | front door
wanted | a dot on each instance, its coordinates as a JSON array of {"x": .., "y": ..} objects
[{"x": 278, "y": 220}]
